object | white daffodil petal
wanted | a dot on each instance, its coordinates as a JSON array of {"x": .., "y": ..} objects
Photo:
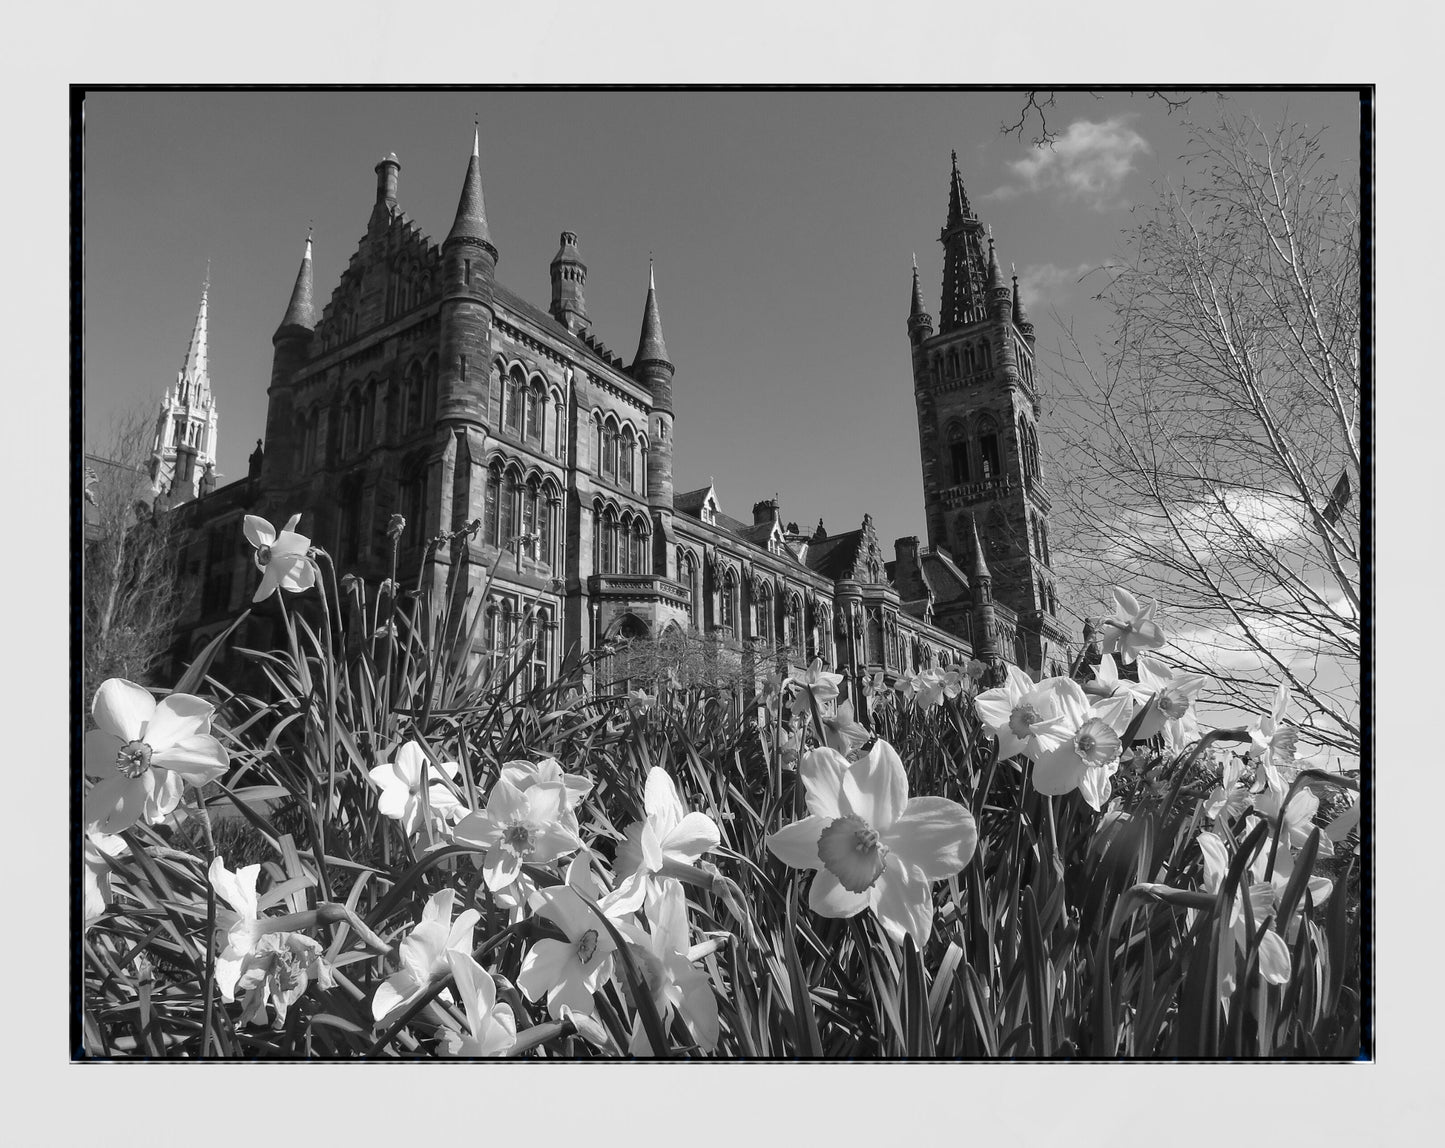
[{"x": 123, "y": 708}]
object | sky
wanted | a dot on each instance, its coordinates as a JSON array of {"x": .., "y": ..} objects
[{"x": 782, "y": 224}]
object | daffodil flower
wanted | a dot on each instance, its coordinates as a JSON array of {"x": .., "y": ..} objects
[
  {"x": 525, "y": 774},
  {"x": 1085, "y": 747},
  {"x": 282, "y": 559},
  {"x": 237, "y": 921},
  {"x": 907, "y": 686},
  {"x": 1112, "y": 697},
  {"x": 1132, "y": 629},
  {"x": 1170, "y": 698},
  {"x": 278, "y": 972},
  {"x": 1017, "y": 710},
  {"x": 1271, "y": 741},
  {"x": 400, "y": 782},
  {"x": 842, "y": 731},
  {"x": 931, "y": 686},
  {"x": 569, "y": 971},
  {"x": 425, "y": 953},
  {"x": 99, "y": 846},
  {"x": 874, "y": 847},
  {"x": 491, "y": 1027},
  {"x": 519, "y": 827},
  {"x": 1229, "y": 799},
  {"x": 667, "y": 834},
  {"x": 639, "y": 702},
  {"x": 1274, "y": 958},
  {"x": 876, "y": 690},
  {"x": 672, "y": 979},
  {"x": 814, "y": 681},
  {"x": 143, "y": 751}
]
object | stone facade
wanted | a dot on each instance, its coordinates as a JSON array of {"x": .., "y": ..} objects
[{"x": 428, "y": 389}]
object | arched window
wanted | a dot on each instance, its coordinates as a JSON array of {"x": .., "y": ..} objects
[
  {"x": 609, "y": 451},
  {"x": 1044, "y": 536},
  {"x": 624, "y": 476},
  {"x": 640, "y": 548},
  {"x": 512, "y": 404},
  {"x": 539, "y": 632},
  {"x": 987, "y": 354},
  {"x": 545, "y": 511},
  {"x": 507, "y": 509},
  {"x": 491, "y": 508},
  {"x": 988, "y": 448},
  {"x": 535, "y": 407},
  {"x": 529, "y": 519},
  {"x": 970, "y": 361},
  {"x": 764, "y": 612},
  {"x": 609, "y": 542},
  {"x": 874, "y": 653},
  {"x": 727, "y": 604}
]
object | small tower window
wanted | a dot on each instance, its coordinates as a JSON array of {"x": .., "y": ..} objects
[
  {"x": 958, "y": 452},
  {"x": 988, "y": 448}
]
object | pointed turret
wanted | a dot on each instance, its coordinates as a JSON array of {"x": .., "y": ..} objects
[
  {"x": 471, "y": 220},
  {"x": 985, "y": 621},
  {"x": 469, "y": 268},
  {"x": 1000, "y": 298},
  {"x": 569, "y": 280},
  {"x": 300, "y": 311},
  {"x": 1021, "y": 317},
  {"x": 650, "y": 346},
  {"x": 654, "y": 370},
  {"x": 920, "y": 322},
  {"x": 292, "y": 341}
]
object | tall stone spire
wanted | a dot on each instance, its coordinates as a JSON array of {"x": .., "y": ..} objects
[
  {"x": 300, "y": 311},
  {"x": 959, "y": 208},
  {"x": 650, "y": 346},
  {"x": 471, "y": 220},
  {"x": 185, "y": 440},
  {"x": 193, "y": 380},
  {"x": 964, "y": 265}
]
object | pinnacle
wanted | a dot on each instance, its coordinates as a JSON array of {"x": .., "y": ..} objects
[
  {"x": 300, "y": 311},
  {"x": 471, "y": 220},
  {"x": 650, "y": 344}
]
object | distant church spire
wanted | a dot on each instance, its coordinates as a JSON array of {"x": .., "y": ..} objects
[
  {"x": 185, "y": 442},
  {"x": 194, "y": 375}
]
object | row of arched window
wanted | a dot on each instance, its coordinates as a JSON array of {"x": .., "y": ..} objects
[
  {"x": 621, "y": 540},
  {"x": 367, "y": 415},
  {"x": 620, "y": 451},
  {"x": 408, "y": 285},
  {"x": 1028, "y": 447},
  {"x": 522, "y": 512},
  {"x": 973, "y": 456},
  {"x": 521, "y": 410},
  {"x": 508, "y": 624},
  {"x": 962, "y": 359}
]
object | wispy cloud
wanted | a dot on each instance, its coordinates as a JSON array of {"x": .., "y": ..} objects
[
  {"x": 1089, "y": 163},
  {"x": 1041, "y": 283}
]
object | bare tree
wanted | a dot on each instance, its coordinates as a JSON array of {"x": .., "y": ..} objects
[
  {"x": 686, "y": 660},
  {"x": 130, "y": 591},
  {"x": 1213, "y": 448},
  {"x": 1040, "y": 103}
]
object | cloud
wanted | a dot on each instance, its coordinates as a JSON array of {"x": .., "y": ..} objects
[
  {"x": 1049, "y": 283},
  {"x": 1089, "y": 163}
]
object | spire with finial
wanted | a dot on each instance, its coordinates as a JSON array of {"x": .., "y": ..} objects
[
  {"x": 965, "y": 298},
  {"x": 985, "y": 623},
  {"x": 920, "y": 322},
  {"x": 471, "y": 221},
  {"x": 650, "y": 346},
  {"x": 980, "y": 568},
  {"x": 959, "y": 208},
  {"x": 193, "y": 379},
  {"x": 300, "y": 311}
]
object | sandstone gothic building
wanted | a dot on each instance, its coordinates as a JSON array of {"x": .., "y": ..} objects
[{"x": 424, "y": 387}]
